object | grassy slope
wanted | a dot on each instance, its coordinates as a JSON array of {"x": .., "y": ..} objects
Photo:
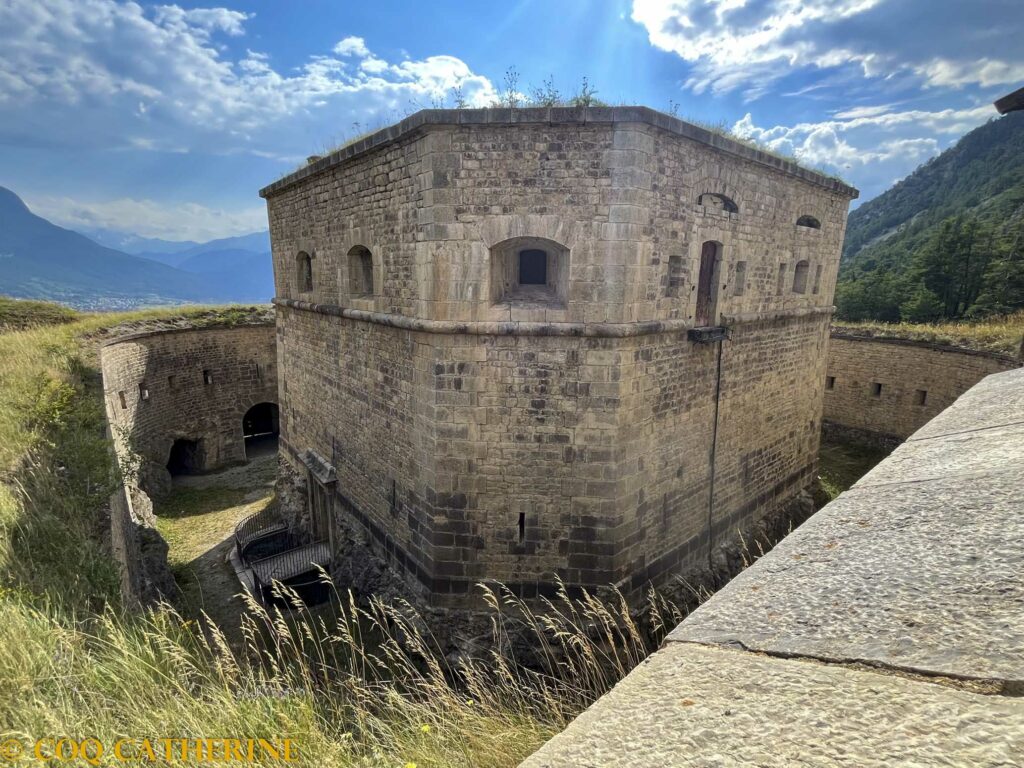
[
  {"x": 72, "y": 663},
  {"x": 1004, "y": 335}
]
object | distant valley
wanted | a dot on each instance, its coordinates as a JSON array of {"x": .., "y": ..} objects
[{"x": 111, "y": 270}]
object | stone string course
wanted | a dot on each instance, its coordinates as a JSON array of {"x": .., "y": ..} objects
[
  {"x": 588, "y": 438},
  {"x": 886, "y": 630},
  {"x": 905, "y": 369}
]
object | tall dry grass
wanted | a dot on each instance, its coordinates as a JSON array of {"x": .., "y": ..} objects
[
  {"x": 371, "y": 688},
  {"x": 1000, "y": 333}
]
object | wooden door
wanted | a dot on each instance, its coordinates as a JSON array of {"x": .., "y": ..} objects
[{"x": 706, "y": 285}]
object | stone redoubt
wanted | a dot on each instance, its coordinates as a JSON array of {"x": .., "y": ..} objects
[{"x": 584, "y": 345}]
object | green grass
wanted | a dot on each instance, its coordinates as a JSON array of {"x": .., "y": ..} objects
[
  {"x": 1003, "y": 334},
  {"x": 840, "y": 465},
  {"x": 18, "y": 314}
]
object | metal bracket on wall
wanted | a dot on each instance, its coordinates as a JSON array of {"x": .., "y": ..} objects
[{"x": 707, "y": 334}]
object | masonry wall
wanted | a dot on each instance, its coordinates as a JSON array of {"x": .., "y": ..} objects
[
  {"x": 876, "y": 386},
  {"x": 588, "y": 438},
  {"x": 173, "y": 368}
]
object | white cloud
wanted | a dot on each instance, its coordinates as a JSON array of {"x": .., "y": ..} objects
[
  {"x": 105, "y": 74},
  {"x": 749, "y": 44},
  {"x": 868, "y": 145},
  {"x": 150, "y": 218},
  {"x": 352, "y": 46}
]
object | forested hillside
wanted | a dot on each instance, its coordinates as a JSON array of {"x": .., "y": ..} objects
[{"x": 946, "y": 242}]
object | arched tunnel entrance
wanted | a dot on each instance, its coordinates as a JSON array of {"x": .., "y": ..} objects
[
  {"x": 260, "y": 426},
  {"x": 186, "y": 457}
]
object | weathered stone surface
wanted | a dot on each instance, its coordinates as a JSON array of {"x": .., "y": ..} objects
[
  {"x": 991, "y": 401},
  {"x": 565, "y": 429},
  {"x": 923, "y": 576},
  {"x": 914, "y": 575},
  {"x": 920, "y": 565},
  {"x": 191, "y": 383},
  {"x": 695, "y": 706},
  {"x": 918, "y": 381}
]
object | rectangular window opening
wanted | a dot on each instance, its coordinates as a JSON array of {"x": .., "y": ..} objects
[
  {"x": 207, "y": 376},
  {"x": 830, "y": 382},
  {"x": 171, "y": 381},
  {"x": 393, "y": 500},
  {"x": 780, "y": 284},
  {"x": 143, "y": 391},
  {"x": 522, "y": 527},
  {"x": 259, "y": 371},
  {"x": 921, "y": 397},
  {"x": 876, "y": 389},
  {"x": 740, "y": 279},
  {"x": 533, "y": 267},
  {"x": 123, "y": 399}
]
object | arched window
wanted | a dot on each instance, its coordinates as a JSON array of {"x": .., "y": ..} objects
[
  {"x": 529, "y": 270},
  {"x": 304, "y": 272},
  {"x": 360, "y": 271},
  {"x": 707, "y": 284},
  {"x": 800, "y": 277},
  {"x": 808, "y": 221},
  {"x": 721, "y": 202}
]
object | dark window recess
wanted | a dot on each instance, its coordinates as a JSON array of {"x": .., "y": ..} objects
[
  {"x": 808, "y": 221},
  {"x": 124, "y": 401},
  {"x": 533, "y": 267},
  {"x": 739, "y": 279},
  {"x": 207, "y": 377},
  {"x": 921, "y": 397},
  {"x": 522, "y": 527},
  {"x": 800, "y": 277},
  {"x": 830, "y": 382},
  {"x": 780, "y": 285},
  {"x": 393, "y": 500},
  {"x": 304, "y": 265},
  {"x": 259, "y": 371},
  {"x": 143, "y": 391},
  {"x": 171, "y": 381},
  {"x": 876, "y": 389},
  {"x": 675, "y": 276},
  {"x": 716, "y": 201}
]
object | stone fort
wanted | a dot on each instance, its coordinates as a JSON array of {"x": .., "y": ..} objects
[{"x": 577, "y": 345}]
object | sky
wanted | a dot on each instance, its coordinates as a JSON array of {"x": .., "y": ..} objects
[{"x": 165, "y": 120}]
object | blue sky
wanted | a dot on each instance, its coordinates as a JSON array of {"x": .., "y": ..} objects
[{"x": 164, "y": 120}]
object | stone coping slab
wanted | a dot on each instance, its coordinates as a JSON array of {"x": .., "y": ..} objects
[
  {"x": 926, "y": 577},
  {"x": 992, "y": 402},
  {"x": 694, "y": 706},
  {"x": 555, "y": 116}
]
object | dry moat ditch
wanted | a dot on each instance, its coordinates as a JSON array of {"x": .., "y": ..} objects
[{"x": 198, "y": 519}]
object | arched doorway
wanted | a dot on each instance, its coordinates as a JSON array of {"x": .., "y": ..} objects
[{"x": 260, "y": 427}]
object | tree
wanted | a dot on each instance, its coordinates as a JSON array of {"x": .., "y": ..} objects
[{"x": 922, "y": 307}]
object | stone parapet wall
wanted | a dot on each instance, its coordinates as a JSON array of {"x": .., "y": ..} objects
[
  {"x": 194, "y": 384},
  {"x": 883, "y": 631},
  {"x": 883, "y": 390}
]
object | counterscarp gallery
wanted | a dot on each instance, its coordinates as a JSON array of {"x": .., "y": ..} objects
[{"x": 534, "y": 345}]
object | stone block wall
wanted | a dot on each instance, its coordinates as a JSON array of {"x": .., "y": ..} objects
[
  {"x": 194, "y": 384},
  {"x": 582, "y": 436},
  {"x": 886, "y": 389}
]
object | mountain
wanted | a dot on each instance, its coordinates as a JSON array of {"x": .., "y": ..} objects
[
  {"x": 136, "y": 245},
  {"x": 933, "y": 246},
  {"x": 255, "y": 243},
  {"x": 41, "y": 260}
]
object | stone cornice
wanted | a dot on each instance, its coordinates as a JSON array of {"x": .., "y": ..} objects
[
  {"x": 513, "y": 328},
  {"x": 556, "y": 116}
]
